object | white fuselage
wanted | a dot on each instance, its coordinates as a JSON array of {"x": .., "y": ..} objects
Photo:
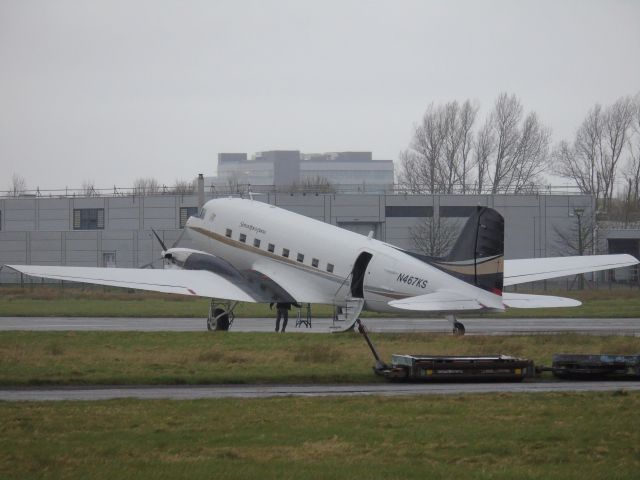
[{"x": 314, "y": 260}]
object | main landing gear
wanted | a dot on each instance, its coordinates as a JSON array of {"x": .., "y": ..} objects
[
  {"x": 458, "y": 327},
  {"x": 220, "y": 315}
]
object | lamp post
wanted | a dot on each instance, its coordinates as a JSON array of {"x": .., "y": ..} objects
[{"x": 578, "y": 213}]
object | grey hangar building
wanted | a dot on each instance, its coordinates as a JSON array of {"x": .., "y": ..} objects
[{"x": 115, "y": 230}]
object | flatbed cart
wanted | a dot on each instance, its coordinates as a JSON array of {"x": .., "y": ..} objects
[
  {"x": 598, "y": 366},
  {"x": 486, "y": 368},
  {"x": 450, "y": 368}
]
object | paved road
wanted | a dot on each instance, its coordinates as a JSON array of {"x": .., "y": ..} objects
[
  {"x": 477, "y": 326},
  {"x": 263, "y": 391}
]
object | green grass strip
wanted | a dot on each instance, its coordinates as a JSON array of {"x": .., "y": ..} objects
[
  {"x": 38, "y": 301},
  {"x": 505, "y": 436},
  {"x": 80, "y": 358}
]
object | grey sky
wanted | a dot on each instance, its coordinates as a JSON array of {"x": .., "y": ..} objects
[{"x": 115, "y": 90}]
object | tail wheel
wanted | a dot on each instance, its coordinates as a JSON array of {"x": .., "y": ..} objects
[
  {"x": 458, "y": 328},
  {"x": 219, "y": 320}
]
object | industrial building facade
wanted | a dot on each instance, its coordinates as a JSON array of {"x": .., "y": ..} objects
[
  {"x": 355, "y": 171},
  {"x": 116, "y": 230}
]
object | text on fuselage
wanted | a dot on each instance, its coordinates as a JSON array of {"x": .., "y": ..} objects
[
  {"x": 253, "y": 228},
  {"x": 411, "y": 280}
]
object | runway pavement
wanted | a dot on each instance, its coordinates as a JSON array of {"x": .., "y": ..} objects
[
  {"x": 264, "y": 391},
  {"x": 474, "y": 326}
]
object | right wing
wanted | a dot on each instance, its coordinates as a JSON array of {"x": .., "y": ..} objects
[
  {"x": 438, "y": 301},
  {"x": 523, "y": 300},
  {"x": 533, "y": 269},
  {"x": 201, "y": 283}
]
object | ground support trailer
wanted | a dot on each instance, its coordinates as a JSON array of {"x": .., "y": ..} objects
[
  {"x": 458, "y": 368},
  {"x": 595, "y": 366}
]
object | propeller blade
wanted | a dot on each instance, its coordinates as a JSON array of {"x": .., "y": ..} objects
[{"x": 164, "y": 247}]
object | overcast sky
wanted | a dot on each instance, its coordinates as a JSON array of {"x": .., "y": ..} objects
[{"x": 114, "y": 90}]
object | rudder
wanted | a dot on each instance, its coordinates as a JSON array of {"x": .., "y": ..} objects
[{"x": 478, "y": 254}]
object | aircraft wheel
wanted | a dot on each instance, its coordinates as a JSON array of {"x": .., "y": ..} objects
[
  {"x": 458, "y": 328},
  {"x": 222, "y": 322}
]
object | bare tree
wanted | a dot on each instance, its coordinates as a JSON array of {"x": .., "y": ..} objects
[
  {"x": 314, "y": 184},
  {"x": 434, "y": 236},
  {"x": 18, "y": 185},
  {"x": 146, "y": 186},
  {"x": 617, "y": 123},
  {"x": 593, "y": 159},
  {"x": 183, "y": 187},
  {"x": 484, "y": 148},
  {"x": 318, "y": 184},
  {"x": 88, "y": 188},
  {"x": 521, "y": 146},
  {"x": 438, "y": 159},
  {"x": 468, "y": 113},
  {"x": 504, "y": 121},
  {"x": 576, "y": 237},
  {"x": 631, "y": 195},
  {"x": 420, "y": 164},
  {"x": 233, "y": 182},
  {"x": 508, "y": 153}
]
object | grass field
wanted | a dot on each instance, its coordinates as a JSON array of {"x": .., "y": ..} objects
[
  {"x": 76, "y": 301},
  {"x": 70, "y": 358},
  {"x": 526, "y": 436}
]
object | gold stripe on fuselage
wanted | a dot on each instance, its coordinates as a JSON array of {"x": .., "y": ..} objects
[
  {"x": 493, "y": 266},
  {"x": 249, "y": 248}
]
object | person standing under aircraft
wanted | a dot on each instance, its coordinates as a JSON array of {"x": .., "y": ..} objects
[{"x": 283, "y": 313}]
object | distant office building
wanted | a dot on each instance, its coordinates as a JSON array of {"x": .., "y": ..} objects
[{"x": 347, "y": 171}]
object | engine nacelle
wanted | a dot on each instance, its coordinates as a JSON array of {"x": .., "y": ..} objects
[{"x": 190, "y": 259}]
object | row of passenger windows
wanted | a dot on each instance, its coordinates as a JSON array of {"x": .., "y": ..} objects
[{"x": 285, "y": 251}]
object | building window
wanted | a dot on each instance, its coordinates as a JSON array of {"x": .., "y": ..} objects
[
  {"x": 315, "y": 262},
  {"x": 300, "y": 257},
  {"x": 256, "y": 242},
  {"x": 185, "y": 213},
  {"x": 457, "y": 211},
  {"x": 330, "y": 267},
  {"x": 88, "y": 218},
  {"x": 243, "y": 238},
  {"x": 228, "y": 232},
  {"x": 418, "y": 211},
  {"x": 271, "y": 247},
  {"x": 285, "y": 252}
]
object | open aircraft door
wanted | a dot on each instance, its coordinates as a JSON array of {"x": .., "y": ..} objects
[
  {"x": 372, "y": 278},
  {"x": 359, "y": 273}
]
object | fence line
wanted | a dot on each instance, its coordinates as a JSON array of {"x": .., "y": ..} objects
[{"x": 243, "y": 189}]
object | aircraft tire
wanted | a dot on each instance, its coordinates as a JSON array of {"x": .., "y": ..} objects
[
  {"x": 221, "y": 324},
  {"x": 458, "y": 329}
]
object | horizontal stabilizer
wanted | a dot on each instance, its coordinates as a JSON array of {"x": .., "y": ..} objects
[
  {"x": 534, "y": 269},
  {"x": 521, "y": 300},
  {"x": 440, "y": 301},
  {"x": 199, "y": 283}
]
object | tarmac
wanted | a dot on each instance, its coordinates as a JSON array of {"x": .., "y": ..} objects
[
  {"x": 474, "y": 326},
  {"x": 264, "y": 391}
]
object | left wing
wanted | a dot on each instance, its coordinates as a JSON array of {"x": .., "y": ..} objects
[
  {"x": 533, "y": 269},
  {"x": 201, "y": 283}
]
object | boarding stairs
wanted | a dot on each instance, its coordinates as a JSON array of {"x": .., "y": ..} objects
[{"x": 346, "y": 314}]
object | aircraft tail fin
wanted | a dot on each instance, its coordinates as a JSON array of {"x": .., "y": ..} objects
[{"x": 478, "y": 254}]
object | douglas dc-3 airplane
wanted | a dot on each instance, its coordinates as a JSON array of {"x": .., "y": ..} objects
[{"x": 243, "y": 250}]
